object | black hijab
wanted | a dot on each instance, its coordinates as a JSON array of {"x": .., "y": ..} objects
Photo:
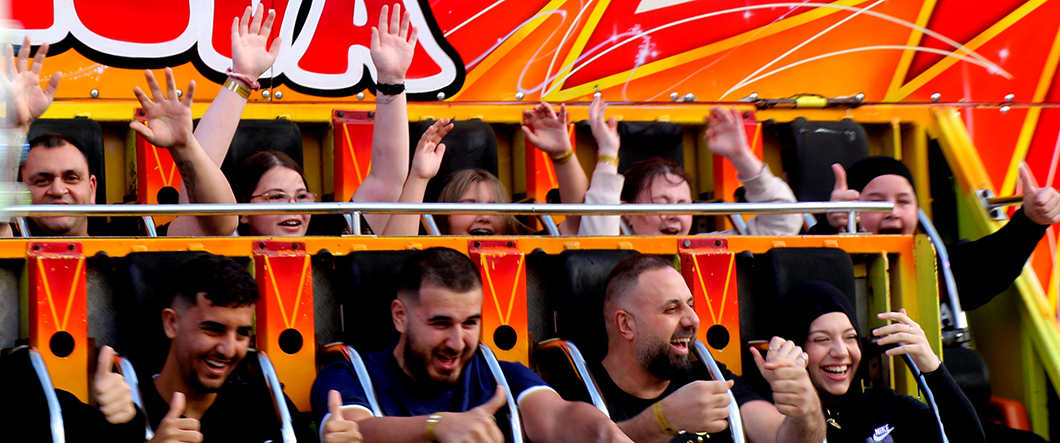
[{"x": 805, "y": 303}]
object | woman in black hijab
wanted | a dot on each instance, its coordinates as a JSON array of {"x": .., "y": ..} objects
[{"x": 821, "y": 319}]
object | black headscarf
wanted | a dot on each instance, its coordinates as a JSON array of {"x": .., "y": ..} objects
[
  {"x": 805, "y": 303},
  {"x": 865, "y": 170}
]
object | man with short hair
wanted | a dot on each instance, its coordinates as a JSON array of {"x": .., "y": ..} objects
[
  {"x": 433, "y": 385},
  {"x": 655, "y": 393}
]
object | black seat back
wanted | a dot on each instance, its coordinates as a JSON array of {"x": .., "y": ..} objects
[
  {"x": 262, "y": 135},
  {"x": 367, "y": 284},
  {"x": 810, "y": 149},
  {"x": 471, "y": 144},
  {"x": 575, "y": 282}
]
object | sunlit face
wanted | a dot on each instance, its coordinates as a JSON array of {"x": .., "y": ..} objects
[
  {"x": 473, "y": 224},
  {"x": 59, "y": 176},
  {"x": 666, "y": 323},
  {"x": 832, "y": 346},
  {"x": 664, "y": 189},
  {"x": 890, "y": 188},
  {"x": 208, "y": 341},
  {"x": 275, "y": 180},
  {"x": 440, "y": 333}
]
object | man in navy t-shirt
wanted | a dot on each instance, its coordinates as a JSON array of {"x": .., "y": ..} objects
[
  {"x": 433, "y": 385},
  {"x": 649, "y": 383}
]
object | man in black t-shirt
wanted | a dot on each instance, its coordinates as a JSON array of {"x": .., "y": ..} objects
[{"x": 648, "y": 382}]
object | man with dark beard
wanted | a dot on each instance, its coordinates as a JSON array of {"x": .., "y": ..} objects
[
  {"x": 652, "y": 390},
  {"x": 433, "y": 385}
]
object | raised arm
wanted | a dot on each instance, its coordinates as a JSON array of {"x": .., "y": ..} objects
[
  {"x": 547, "y": 130},
  {"x": 549, "y": 418},
  {"x": 606, "y": 187},
  {"x": 25, "y": 101},
  {"x": 393, "y": 43},
  {"x": 250, "y": 59},
  {"x": 169, "y": 126},
  {"x": 725, "y": 136},
  {"x": 425, "y": 164}
]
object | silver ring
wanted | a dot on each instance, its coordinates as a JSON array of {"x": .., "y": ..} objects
[
  {"x": 772, "y": 350},
  {"x": 804, "y": 356},
  {"x": 910, "y": 328}
]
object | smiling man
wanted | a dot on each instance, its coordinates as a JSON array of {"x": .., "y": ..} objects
[
  {"x": 433, "y": 385},
  {"x": 653, "y": 391},
  {"x": 56, "y": 172},
  {"x": 201, "y": 392}
]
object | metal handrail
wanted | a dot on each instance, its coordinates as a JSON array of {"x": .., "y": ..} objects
[
  {"x": 55, "y": 411},
  {"x": 200, "y": 209},
  {"x": 128, "y": 372},
  {"x": 735, "y": 419},
  {"x": 273, "y": 382},
  {"x": 502, "y": 381}
]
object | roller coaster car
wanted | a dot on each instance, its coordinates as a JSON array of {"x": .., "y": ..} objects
[
  {"x": 369, "y": 279},
  {"x": 143, "y": 344},
  {"x": 576, "y": 286}
]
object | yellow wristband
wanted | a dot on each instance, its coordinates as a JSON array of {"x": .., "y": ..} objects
[
  {"x": 237, "y": 88},
  {"x": 432, "y": 421},
  {"x": 661, "y": 419},
  {"x": 609, "y": 159},
  {"x": 564, "y": 157}
]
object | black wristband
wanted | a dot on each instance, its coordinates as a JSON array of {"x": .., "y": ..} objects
[{"x": 386, "y": 89}]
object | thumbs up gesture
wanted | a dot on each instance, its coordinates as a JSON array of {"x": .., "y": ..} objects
[
  {"x": 1042, "y": 205},
  {"x": 476, "y": 425},
  {"x": 840, "y": 193},
  {"x": 337, "y": 429},
  {"x": 112, "y": 393},
  {"x": 173, "y": 428}
]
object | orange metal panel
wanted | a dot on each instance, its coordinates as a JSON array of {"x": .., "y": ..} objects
[
  {"x": 285, "y": 327},
  {"x": 353, "y": 150},
  {"x": 504, "y": 317},
  {"x": 58, "y": 324},
  {"x": 709, "y": 268},
  {"x": 540, "y": 172}
]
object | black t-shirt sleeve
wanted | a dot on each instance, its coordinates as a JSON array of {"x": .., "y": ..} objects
[{"x": 986, "y": 267}]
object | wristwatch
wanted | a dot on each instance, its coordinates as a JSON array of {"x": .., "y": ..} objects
[{"x": 387, "y": 89}]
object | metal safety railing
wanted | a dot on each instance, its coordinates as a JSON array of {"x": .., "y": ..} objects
[{"x": 354, "y": 210}]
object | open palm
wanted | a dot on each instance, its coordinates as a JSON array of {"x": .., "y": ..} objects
[
  {"x": 430, "y": 150},
  {"x": 168, "y": 119},
  {"x": 393, "y": 43},
  {"x": 547, "y": 129},
  {"x": 26, "y": 100},
  {"x": 250, "y": 38}
]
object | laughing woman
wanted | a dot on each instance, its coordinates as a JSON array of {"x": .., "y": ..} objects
[{"x": 820, "y": 318}]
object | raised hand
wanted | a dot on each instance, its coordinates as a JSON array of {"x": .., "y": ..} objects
[
  {"x": 112, "y": 393},
  {"x": 784, "y": 367},
  {"x": 338, "y": 429},
  {"x": 546, "y": 129},
  {"x": 1041, "y": 205},
  {"x": 250, "y": 38},
  {"x": 725, "y": 135},
  {"x": 700, "y": 406},
  {"x": 26, "y": 101},
  {"x": 430, "y": 150},
  {"x": 476, "y": 425},
  {"x": 911, "y": 338},
  {"x": 393, "y": 43},
  {"x": 841, "y": 193},
  {"x": 169, "y": 119},
  {"x": 605, "y": 132},
  {"x": 173, "y": 428}
]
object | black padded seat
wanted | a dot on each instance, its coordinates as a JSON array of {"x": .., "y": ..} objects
[
  {"x": 811, "y": 147},
  {"x": 368, "y": 284},
  {"x": 574, "y": 282},
  {"x": 471, "y": 144},
  {"x": 262, "y": 135},
  {"x": 642, "y": 140}
]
